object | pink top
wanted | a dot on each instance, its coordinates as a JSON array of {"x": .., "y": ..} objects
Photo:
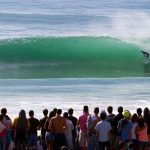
[
  {"x": 142, "y": 135},
  {"x": 83, "y": 123}
]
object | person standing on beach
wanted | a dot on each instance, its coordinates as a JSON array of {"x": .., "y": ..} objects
[
  {"x": 58, "y": 126},
  {"x": 139, "y": 112},
  {"x": 74, "y": 121},
  {"x": 32, "y": 132},
  {"x": 125, "y": 131},
  {"x": 43, "y": 130},
  {"x": 146, "y": 116},
  {"x": 110, "y": 115},
  {"x": 7, "y": 121},
  {"x": 49, "y": 134},
  {"x": 114, "y": 124},
  {"x": 91, "y": 123},
  {"x": 82, "y": 122},
  {"x": 103, "y": 132},
  {"x": 2, "y": 133},
  {"x": 68, "y": 131},
  {"x": 21, "y": 125},
  {"x": 109, "y": 119},
  {"x": 142, "y": 136}
]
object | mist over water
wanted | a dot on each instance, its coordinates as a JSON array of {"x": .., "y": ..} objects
[{"x": 122, "y": 18}]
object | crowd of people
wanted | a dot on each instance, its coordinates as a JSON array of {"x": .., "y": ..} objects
[{"x": 100, "y": 130}]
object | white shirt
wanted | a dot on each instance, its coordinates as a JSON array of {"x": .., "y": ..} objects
[{"x": 69, "y": 128}]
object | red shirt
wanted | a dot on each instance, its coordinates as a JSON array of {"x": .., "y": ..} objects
[{"x": 83, "y": 123}]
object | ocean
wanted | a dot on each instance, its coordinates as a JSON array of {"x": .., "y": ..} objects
[{"x": 66, "y": 54}]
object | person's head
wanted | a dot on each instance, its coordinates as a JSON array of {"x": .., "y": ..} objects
[
  {"x": 141, "y": 122},
  {"x": 31, "y": 113},
  {"x": 139, "y": 111},
  {"x": 85, "y": 109},
  {"x": 22, "y": 114},
  {"x": 70, "y": 111},
  {"x": 51, "y": 114},
  {"x": 120, "y": 109},
  {"x": 110, "y": 109},
  {"x": 55, "y": 110},
  {"x": 65, "y": 115},
  {"x": 45, "y": 112},
  {"x": 134, "y": 118},
  {"x": 146, "y": 111},
  {"x": 96, "y": 110},
  {"x": 126, "y": 114},
  {"x": 59, "y": 111},
  {"x": 22, "y": 121},
  {"x": 1, "y": 117},
  {"x": 3, "y": 111},
  {"x": 103, "y": 115}
]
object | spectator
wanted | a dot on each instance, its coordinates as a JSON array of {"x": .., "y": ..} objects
[
  {"x": 49, "y": 134},
  {"x": 134, "y": 126},
  {"x": 83, "y": 128},
  {"x": 125, "y": 131},
  {"x": 103, "y": 132},
  {"x": 57, "y": 126},
  {"x": 141, "y": 132},
  {"x": 43, "y": 131},
  {"x": 74, "y": 121},
  {"x": 21, "y": 125},
  {"x": 68, "y": 131},
  {"x": 2, "y": 134},
  {"x": 32, "y": 132},
  {"x": 139, "y": 112},
  {"x": 146, "y": 116},
  {"x": 7, "y": 121},
  {"x": 91, "y": 123}
]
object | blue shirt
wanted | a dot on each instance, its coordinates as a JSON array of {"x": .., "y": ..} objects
[
  {"x": 125, "y": 131},
  {"x": 103, "y": 127}
]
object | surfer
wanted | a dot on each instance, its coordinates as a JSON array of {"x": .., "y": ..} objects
[{"x": 146, "y": 54}]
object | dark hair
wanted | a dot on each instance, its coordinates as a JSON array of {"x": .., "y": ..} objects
[
  {"x": 120, "y": 109},
  {"x": 110, "y": 109},
  {"x": 45, "y": 112},
  {"x": 59, "y": 111},
  {"x": 1, "y": 117},
  {"x": 31, "y": 113},
  {"x": 85, "y": 108},
  {"x": 134, "y": 118},
  {"x": 22, "y": 121},
  {"x": 54, "y": 110},
  {"x": 96, "y": 110},
  {"x": 3, "y": 111},
  {"x": 65, "y": 115},
  {"x": 51, "y": 114},
  {"x": 146, "y": 111},
  {"x": 70, "y": 111},
  {"x": 103, "y": 116},
  {"x": 139, "y": 111},
  {"x": 141, "y": 122}
]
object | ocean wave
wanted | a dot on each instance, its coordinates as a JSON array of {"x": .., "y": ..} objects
[{"x": 69, "y": 57}]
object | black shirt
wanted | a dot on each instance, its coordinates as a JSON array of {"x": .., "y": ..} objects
[{"x": 34, "y": 123}]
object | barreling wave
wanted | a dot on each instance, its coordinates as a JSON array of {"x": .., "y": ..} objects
[{"x": 48, "y": 57}]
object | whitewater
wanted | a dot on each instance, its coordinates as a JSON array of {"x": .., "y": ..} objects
[{"x": 70, "y": 53}]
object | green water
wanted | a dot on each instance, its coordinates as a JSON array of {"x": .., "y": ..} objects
[{"x": 69, "y": 57}]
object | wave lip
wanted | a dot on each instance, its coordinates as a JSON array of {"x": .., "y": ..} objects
[{"x": 47, "y": 57}]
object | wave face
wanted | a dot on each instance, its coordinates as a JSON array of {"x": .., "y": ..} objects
[{"x": 69, "y": 57}]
